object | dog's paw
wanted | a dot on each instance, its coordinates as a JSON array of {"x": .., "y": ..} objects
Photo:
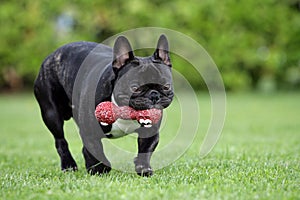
[
  {"x": 98, "y": 169},
  {"x": 143, "y": 170},
  {"x": 68, "y": 165}
]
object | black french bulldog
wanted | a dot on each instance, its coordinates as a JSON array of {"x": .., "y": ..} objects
[{"x": 140, "y": 82}]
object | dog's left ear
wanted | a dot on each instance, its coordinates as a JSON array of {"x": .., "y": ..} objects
[
  {"x": 162, "y": 50},
  {"x": 122, "y": 52}
]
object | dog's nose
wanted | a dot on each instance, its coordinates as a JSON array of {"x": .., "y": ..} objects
[{"x": 154, "y": 96}]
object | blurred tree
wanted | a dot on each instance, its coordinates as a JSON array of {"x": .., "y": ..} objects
[{"x": 255, "y": 44}]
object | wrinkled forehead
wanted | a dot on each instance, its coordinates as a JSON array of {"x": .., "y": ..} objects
[{"x": 147, "y": 72}]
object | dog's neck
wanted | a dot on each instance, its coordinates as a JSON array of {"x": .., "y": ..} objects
[{"x": 122, "y": 127}]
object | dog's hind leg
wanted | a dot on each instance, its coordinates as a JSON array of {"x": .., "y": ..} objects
[{"x": 53, "y": 117}]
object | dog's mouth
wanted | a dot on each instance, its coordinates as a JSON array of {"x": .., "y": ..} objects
[
  {"x": 144, "y": 104},
  {"x": 149, "y": 113},
  {"x": 147, "y": 123},
  {"x": 147, "y": 107}
]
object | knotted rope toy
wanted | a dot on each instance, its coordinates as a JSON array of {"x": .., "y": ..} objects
[{"x": 107, "y": 113}]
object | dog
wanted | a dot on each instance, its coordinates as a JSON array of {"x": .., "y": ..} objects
[{"x": 128, "y": 80}]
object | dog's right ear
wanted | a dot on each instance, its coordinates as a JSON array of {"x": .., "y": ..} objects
[
  {"x": 122, "y": 52},
  {"x": 162, "y": 50}
]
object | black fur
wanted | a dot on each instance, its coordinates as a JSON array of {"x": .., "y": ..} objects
[{"x": 54, "y": 86}]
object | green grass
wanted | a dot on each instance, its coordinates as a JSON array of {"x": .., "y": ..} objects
[{"x": 257, "y": 156}]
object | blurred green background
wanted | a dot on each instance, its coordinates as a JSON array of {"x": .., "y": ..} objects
[{"x": 255, "y": 44}]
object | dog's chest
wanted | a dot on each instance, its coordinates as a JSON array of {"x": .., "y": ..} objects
[{"x": 122, "y": 128}]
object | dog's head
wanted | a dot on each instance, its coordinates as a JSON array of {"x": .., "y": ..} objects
[{"x": 142, "y": 82}]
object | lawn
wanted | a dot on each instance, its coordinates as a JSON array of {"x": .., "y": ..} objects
[{"x": 257, "y": 156}]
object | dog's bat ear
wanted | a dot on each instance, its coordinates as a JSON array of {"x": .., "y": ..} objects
[
  {"x": 162, "y": 50},
  {"x": 122, "y": 52}
]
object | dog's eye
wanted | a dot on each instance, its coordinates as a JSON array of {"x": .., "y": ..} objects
[
  {"x": 135, "y": 62},
  {"x": 157, "y": 61},
  {"x": 135, "y": 89},
  {"x": 167, "y": 86}
]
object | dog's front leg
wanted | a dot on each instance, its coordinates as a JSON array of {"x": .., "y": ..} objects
[
  {"x": 93, "y": 165},
  {"x": 147, "y": 142}
]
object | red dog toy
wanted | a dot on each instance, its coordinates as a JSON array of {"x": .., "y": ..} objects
[{"x": 107, "y": 113}]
